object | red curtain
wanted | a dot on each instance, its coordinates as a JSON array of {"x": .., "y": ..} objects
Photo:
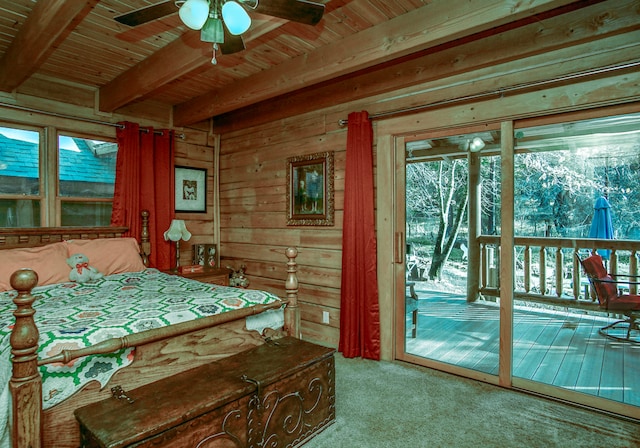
[
  {"x": 144, "y": 181},
  {"x": 359, "y": 307}
]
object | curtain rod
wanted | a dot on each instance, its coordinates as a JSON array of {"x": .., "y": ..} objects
[
  {"x": 501, "y": 91},
  {"x": 71, "y": 117}
]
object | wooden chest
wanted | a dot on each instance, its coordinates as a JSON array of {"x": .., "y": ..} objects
[{"x": 279, "y": 394}]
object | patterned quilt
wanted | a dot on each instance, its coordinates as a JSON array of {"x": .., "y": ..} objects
[{"x": 72, "y": 315}]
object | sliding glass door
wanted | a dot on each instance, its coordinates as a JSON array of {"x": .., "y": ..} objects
[{"x": 496, "y": 225}]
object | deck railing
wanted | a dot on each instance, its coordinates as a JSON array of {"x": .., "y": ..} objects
[{"x": 548, "y": 271}]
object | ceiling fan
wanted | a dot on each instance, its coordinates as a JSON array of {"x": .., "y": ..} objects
[{"x": 221, "y": 22}]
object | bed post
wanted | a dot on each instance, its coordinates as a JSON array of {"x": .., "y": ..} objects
[
  {"x": 292, "y": 313},
  {"x": 145, "y": 244},
  {"x": 26, "y": 384}
]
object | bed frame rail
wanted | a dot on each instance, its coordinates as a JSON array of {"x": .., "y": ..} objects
[{"x": 149, "y": 336}]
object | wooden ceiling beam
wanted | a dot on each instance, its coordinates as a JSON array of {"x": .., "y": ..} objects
[
  {"x": 425, "y": 27},
  {"x": 183, "y": 55},
  {"x": 48, "y": 24},
  {"x": 468, "y": 55},
  {"x": 176, "y": 59}
]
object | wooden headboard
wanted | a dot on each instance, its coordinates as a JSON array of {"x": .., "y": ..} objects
[{"x": 11, "y": 238}]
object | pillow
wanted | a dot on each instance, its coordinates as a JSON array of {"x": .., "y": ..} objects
[
  {"x": 49, "y": 262},
  {"x": 109, "y": 255}
]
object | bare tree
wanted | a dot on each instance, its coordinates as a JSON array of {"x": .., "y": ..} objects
[
  {"x": 453, "y": 200},
  {"x": 439, "y": 189}
]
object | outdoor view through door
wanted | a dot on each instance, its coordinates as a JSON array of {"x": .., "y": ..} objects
[
  {"x": 568, "y": 176},
  {"x": 576, "y": 191},
  {"x": 441, "y": 324}
]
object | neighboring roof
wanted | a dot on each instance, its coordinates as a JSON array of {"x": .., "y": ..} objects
[{"x": 20, "y": 159}]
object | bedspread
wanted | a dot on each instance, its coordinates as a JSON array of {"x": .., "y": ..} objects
[{"x": 72, "y": 315}]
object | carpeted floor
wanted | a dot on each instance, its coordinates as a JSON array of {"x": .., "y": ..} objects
[{"x": 382, "y": 404}]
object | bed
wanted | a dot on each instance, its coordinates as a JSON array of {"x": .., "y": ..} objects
[{"x": 50, "y": 343}]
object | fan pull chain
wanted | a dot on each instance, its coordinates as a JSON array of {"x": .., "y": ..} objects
[{"x": 214, "y": 61}]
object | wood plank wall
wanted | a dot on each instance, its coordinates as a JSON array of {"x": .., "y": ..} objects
[{"x": 253, "y": 212}]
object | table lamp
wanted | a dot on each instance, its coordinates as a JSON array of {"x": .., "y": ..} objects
[{"x": 177, "y": 231}]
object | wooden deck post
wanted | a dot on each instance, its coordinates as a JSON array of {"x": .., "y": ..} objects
[
  {"x": 633, "y": 271},
  {"x": 559, "y": 271},
  {"x": 26, "y": 384},
  {"x": 292, "y": 313},
  {"x": 473, "y": 256}
]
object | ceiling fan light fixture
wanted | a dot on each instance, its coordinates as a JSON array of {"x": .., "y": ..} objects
[
  {"x": 235, "y": 18},
  {"x": 212, "y": 31},
  {"x": 194, "y": 13}
]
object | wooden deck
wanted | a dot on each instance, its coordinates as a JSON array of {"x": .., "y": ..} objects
[{"x": 558, "y": 347}]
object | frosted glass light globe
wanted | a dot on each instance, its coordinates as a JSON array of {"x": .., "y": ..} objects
[
  {"x": 235, "y": 18},
  {"x": 194, "y": 13}
]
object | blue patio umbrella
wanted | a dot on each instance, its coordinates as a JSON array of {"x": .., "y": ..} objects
[{"x": 601, "y": 226}]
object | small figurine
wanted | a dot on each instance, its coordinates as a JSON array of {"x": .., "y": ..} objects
[{"x": 237, "y": 277}]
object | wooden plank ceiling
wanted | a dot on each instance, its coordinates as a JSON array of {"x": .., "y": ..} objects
[{"x": 77, "y": 41}]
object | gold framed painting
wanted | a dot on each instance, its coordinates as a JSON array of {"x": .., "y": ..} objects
[{"x": 310, "y": 190}]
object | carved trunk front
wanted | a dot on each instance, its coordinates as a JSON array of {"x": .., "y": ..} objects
[{"x": 279, "y": 394}]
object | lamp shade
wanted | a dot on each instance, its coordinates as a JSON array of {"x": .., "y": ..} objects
[
  {"x": 177, "y": 231},
  {"x": 235, "y": 18},
  {"x": 194, "y": 13}
]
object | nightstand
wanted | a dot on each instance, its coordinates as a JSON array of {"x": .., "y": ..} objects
[{"x": 216, "y": 276}]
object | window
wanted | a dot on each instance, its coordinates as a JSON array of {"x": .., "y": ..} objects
[
  {"x": 20, "y": 176},
  {"x": 82, "y": 193},
  {"x": 86, "y": 179}
]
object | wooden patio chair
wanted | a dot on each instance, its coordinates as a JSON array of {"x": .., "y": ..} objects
[{"x": 609, "y": 292}]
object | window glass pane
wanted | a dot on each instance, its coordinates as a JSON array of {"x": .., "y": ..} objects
[
  {"x": 19, "y": 213},
  {"x": 87, "y": 167},
  {"x": 562, "y": 169},
  {"x": 19, "y": 161},
  {"x": 85, "y": 213}
]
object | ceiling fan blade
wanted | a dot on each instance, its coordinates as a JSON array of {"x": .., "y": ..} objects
[
  {"x": 148, "y": 13},
  {"x": 232, "y": 44},
  {"x": 301, "y": 11}
]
